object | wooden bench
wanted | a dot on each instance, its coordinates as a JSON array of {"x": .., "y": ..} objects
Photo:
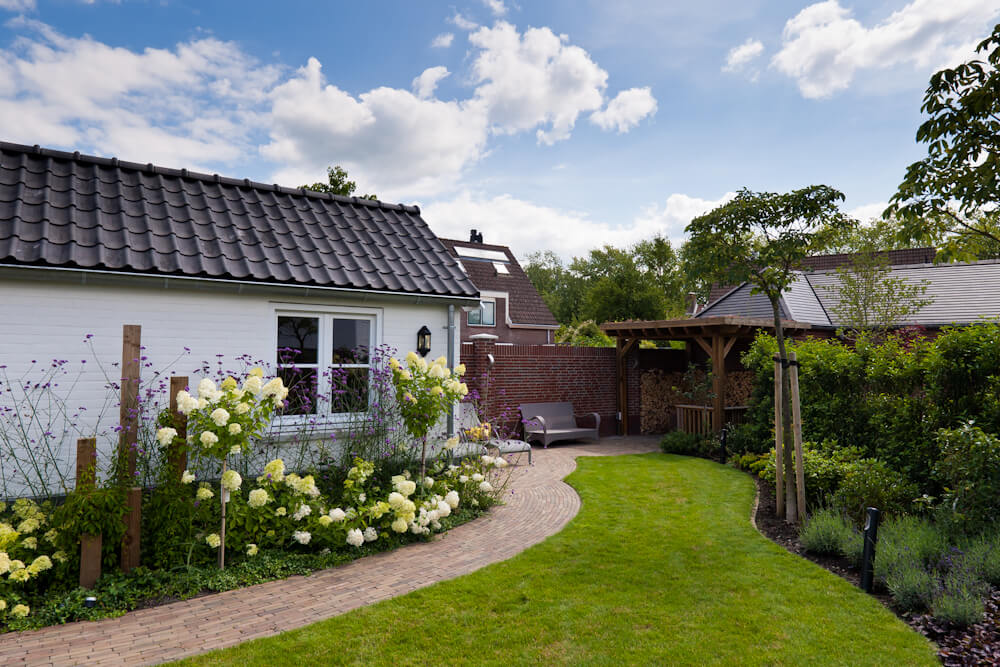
[{"x": 550, "y": 422}]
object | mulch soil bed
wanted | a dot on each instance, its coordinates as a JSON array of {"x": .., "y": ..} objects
[{"x": 975, "y": 645}]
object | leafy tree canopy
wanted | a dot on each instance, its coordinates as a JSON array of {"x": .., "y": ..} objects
[
  {"x": 337, "y": 184},
  {"x": 950, "y": 197},
  {"x": 762, "y": 237}
]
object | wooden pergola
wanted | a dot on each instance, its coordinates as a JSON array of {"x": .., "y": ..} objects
[{"x": 715, "y": 335}]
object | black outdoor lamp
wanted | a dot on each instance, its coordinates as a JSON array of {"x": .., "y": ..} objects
[{"x": 424, "y": 341}]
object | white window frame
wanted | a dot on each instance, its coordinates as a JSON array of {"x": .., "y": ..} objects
[
  {"x": 481, "y": 311},
  {"x": 324, "y": 356}
]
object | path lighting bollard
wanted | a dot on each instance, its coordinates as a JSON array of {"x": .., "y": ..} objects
[
  {"x": 722, "y": 443},
  {"x": 872, "y": 517}
]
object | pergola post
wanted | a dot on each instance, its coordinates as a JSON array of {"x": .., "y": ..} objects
[
  {"x": 718, "y": 385},
  {"x": 623, "y": 347}
]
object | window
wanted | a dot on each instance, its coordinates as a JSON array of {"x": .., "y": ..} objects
[
  {"x": 325, "y": 359},
  {"x": 485, "y": 315}
]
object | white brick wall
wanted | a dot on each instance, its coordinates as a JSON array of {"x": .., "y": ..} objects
[{"x": 43, "y": 321}]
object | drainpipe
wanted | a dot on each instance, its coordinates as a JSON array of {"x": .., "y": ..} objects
[{"x": 451, "y": 363}]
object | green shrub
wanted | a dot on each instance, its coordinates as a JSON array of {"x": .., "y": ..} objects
[
  {"x": 824, "y": 467},
  {"x": 871, "y": 483},
  {"x": 959, "y": 600},
  {"x": 911, "y": 585},
  {"x": 744, "y": 439},
  {"x": 970, "y": 471},
  {"x": 827, "y": 533},
  {"x": 983, "y": 553},
  {"x": 688, "y": 444}
]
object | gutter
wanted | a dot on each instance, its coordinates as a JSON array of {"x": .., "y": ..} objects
[{"x": 17, "y": 271}]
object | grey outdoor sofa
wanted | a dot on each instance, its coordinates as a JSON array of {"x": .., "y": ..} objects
[{"x": 549, "y": 422}]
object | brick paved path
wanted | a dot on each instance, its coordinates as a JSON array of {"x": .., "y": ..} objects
[{"x": 540, "y": 505}]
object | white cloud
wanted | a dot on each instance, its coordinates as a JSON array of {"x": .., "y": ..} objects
[
  {"x": 443, "y": 41},
  {"x": 626, "y": 110},
  {"x": 462, "y": 23},
  {"x": 824, "y": 46},
  {"x": 534, "y": 79},
  {"x": 192, "y": 105},
  {"x": 390, "y": 139},
  {"x": 205, "y": 103},
  {"x": 528, "y": 227},
  {"x": 496, "y": 7},
  {"x": 425, "y": 84},
  {"x": 17, "y": 5},
  {"x": 866, "y": 212},
  {"x": 739, "y": 57}
]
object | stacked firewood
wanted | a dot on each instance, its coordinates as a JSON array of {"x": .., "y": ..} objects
[{"x": 660, "y": 392}]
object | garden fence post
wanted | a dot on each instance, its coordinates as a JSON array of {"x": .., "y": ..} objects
[
  {"x": 90, "y": 545},
  {"x": 872, "y": 516},
  {"x": 177, "y": 450},
  {"x": 131, "y": 354},
  {"x": 779, "y": 476},
  {"x": 800, "y": 475}
]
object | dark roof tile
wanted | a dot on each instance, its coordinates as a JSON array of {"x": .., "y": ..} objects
[{"x": 64, "y": 209}]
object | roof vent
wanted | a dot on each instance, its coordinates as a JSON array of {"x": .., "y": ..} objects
[{"x": 475, "y": 237}]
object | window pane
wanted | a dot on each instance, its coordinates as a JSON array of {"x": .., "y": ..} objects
[
  {"x": 476, "y": 316},
  {"x": 301, "y": 383},
  {"x": 298, "y": 340},
  {"x": 489, "y": 313},
  {"x": 351, "y": 339},
  {"x": 349, "y": 389}
]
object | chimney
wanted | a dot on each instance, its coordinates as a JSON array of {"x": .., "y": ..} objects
[
  {"x": 475, "y": 237},
  {"x": 692, "y": 304}
]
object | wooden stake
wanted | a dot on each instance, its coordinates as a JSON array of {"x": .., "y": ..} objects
[
  {"x": 779, "y": 477},
  {"x": 800, "y": 477},
  {"x": 90, "y": 545},
  {"x": 131, "y": 367},
  {"x": 177, "y": 451},
  {"x": 222, "y": 528}
]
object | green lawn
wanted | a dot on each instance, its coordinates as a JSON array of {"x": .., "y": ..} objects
[{"x": 661, "y": 566}]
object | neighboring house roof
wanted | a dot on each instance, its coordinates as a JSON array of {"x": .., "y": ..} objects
[
  {"x": 904, "y": 257},
  {"x": 524, "y": 303},
  {"x": 67, "y": 210},
  {"x": 959, "y": 294}
]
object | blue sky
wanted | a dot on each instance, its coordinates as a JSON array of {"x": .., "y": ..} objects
[{"x": 558, "y": 125}]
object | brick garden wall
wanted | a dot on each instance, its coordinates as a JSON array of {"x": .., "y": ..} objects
[{"x": 584, "y": 376}]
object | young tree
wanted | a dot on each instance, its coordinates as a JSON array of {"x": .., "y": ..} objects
[
  {"x": 337, "y": 184},
  {"x": 868, "y": 299},
  {"x": 951, "y": 195},
  {"x": 761, "y": 238}
]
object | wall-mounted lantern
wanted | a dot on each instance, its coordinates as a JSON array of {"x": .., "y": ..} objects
[{"x": 424, "y": 341}]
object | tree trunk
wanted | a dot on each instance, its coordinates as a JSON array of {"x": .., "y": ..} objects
[{"x": 791, "y": 505}]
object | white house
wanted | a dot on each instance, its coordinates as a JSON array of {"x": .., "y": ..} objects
[{"x": 219, "y": 266}]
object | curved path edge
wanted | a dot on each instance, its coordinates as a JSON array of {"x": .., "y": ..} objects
[{"x": 538, "y": 504}]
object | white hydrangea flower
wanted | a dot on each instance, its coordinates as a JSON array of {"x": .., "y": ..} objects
[
  {"x": 325, "y": 520},
  {"x": 186, "y": 402},
  {"x": 251, "y": 550},
  {"x": 477, "y": 477},
  {"x": 213, "y": 540},
  {"x": 443, "y": 509},
  {"x": 396, "y": 500},
  {"x": 208, "y": 438},
  {"x": 355, "y": 537},
  {"x": 231, "y": 480},
  {"x": 235, "y": 449},
  {"x": 206, "y": 387},
  {"x": 463, "y": 478},
  {"x": 235, "y": 429},
  {"x": 486, "y": 487},
  {"x": 253, "y": 385},
  {"x": 302, "y": 536},
  {"x": 166, "y": 435},
  {"x": 204, "y": 493},
  {"x": 370, "y": 534},
  {"x": 275, "y": 469},
  {"x": 187, "y": 477},
  {"x": 337, "y": 514},
  {"x": 302, "y": 512},
  {"x": 258, "y": 498},
  {"x": 450, "y": 443},
  {"x": 428, "y": 482},
  {"x": 242, "y": 408},
  {"x": 406, "y": 487},
  {"x": 452, "y": 499},
  {"x": 362, "y": 497},
  {"x": 219, "y": 416},
  {"x": 487, "y": 460},
  {"x": 399, "y": 525},
  {"x": 500, "y": 462}
]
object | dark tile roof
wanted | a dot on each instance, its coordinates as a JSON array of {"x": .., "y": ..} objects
[
  {"x": 68, "y": 210},
  {"x": 902, "y": 257},
  {"x": 525, "y": 304}
]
